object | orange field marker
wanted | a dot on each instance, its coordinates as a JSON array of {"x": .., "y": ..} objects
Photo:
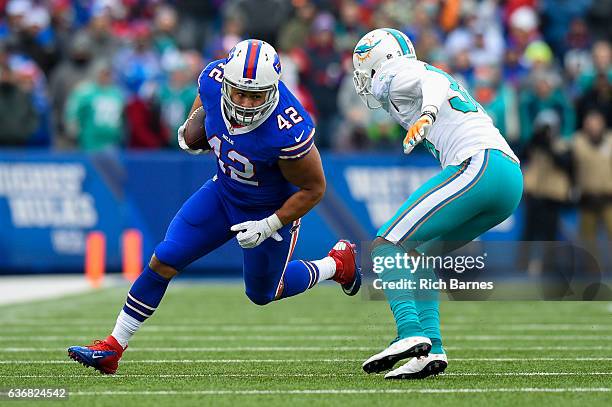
[
  {"x": 132, "y": 254},
  {"x": 95, "y": 258}
]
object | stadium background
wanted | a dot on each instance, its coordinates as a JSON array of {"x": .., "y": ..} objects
[{"x": 92, "y": 92}]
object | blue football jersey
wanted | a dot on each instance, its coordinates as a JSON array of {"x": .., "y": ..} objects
[{"x": 247, "y": 157}]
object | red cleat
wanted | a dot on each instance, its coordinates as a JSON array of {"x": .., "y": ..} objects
[
  {"x": 101, "y": 355},
  {"x": 347, "y": 273}
]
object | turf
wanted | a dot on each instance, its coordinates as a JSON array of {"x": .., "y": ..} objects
[{"x": 207, "y": 345}]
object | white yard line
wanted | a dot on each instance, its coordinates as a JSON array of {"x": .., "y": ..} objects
[
  {"x": 272, "y": 375},
  {"x": 335, "y": 360},
  {"x": 151, "y": 335},
  {"x": 340, "y": 391}
]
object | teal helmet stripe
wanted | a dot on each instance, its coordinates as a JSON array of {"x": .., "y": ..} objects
[{"x": 400, "y": 40}]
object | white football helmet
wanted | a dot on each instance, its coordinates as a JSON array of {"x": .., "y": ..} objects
[
  {"x": 371, "y": 51},
  {"x": 252, "y": 66}
]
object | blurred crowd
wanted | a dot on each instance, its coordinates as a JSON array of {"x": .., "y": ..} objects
[{"x": 98, "y": 74}]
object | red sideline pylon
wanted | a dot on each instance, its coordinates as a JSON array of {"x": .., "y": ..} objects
[
  {"x": 95, "y": 258},
  {"x": 131, "y": 244}
]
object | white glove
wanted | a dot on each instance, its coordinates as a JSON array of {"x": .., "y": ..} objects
[
  {"x": 181, "y": 140},
  {"x": 253, "y": 232}
]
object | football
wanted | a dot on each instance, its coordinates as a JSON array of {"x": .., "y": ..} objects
[{"x": 195, "y": 133}]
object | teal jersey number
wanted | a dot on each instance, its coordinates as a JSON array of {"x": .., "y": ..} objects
[{"x": 464, "y": 104}]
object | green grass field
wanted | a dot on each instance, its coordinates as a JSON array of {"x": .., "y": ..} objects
[{"x": 208, "y": 346}]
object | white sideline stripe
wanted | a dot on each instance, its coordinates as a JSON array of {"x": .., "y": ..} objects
[
  {"x": 196, "y": 375},
  {"x": 341, "y": 391},
  {"x": 307, "y": 348},
  {"x": 51, "y": 362}
]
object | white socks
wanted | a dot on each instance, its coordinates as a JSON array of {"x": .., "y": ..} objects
[
  {"x": 125, "y": 327},
  {"x": 326, "y": 266}
]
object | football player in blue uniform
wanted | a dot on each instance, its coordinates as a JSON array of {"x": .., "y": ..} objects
[{"x": 269, "y": 175}]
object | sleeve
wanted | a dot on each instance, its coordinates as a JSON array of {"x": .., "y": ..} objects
[
  {"x": 431, "y": 84},
  {"x": 300, "y": 142},
  {"x": 209, "y": 81},
  {"x": 434, "y": 87}
]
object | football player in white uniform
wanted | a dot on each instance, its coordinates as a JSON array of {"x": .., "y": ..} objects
[{"x": 479, "y": 186}]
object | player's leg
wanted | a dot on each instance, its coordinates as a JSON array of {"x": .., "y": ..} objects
[
  {"x": 411, "y": 339},
  {"x": 199, "y": 227},
  {"x": 427, "y": 305},
  {"x": 450, "y": 199},
  {"x": 269, "y": 273}
]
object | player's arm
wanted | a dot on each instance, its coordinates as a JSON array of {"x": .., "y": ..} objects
[
  {"x": 433, "y": 87},
  {"x": 197, "y": 104},
  {"x": 306, "y": 174}
]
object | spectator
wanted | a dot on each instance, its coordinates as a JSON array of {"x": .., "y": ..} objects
[
  {"x": 164, "y": 38},
  {"x": 349, "y": 29},
  {"x": 547, "y": 187},
  {"x": 64, "y": 79},
  {"x": 323, "y": 76},
  {"x": 31, "y": 80},
  {"x": 557, "y": 16},
  {"x": 484, "y": 44},
  {"x": 138, "y": 64},
  {"x": 602, "y": 65},
  {"x": 523, "y": 28},
  {"x": 597, "y": 97},
  {"x": 17, "y": 114},
  {"x": 500, "y": 101},
  {"x": 94, "y": 112},
  {"x": 294, "y": 33},
  {"x": 592, "y": 150},
  {"x": 544, "y": 93},
  {"x": 39, "y": 39},
  {"x": 144, "y": 123},
  {"x": 220, "y": 44},
  {"x": 176, "y": 98},
  {"x": 101, "y": 36}
]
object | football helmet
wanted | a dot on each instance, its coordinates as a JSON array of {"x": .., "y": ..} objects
[
  {"x": 251, "y": 66},
  {"x": 371, "y": 51}
]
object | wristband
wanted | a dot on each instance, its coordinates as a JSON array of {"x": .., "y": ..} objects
[{"x": 274, "y": 222}]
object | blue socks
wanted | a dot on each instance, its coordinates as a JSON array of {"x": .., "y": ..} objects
[
  {"x": 300, "y": 275},
  {"x": 145, "y": 295}
]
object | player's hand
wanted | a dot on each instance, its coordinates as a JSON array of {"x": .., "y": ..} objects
[
  {"x": 253, "y": 232},
  {"x": 181, "y": 140},
  {"x": 417, "y": 133}
]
